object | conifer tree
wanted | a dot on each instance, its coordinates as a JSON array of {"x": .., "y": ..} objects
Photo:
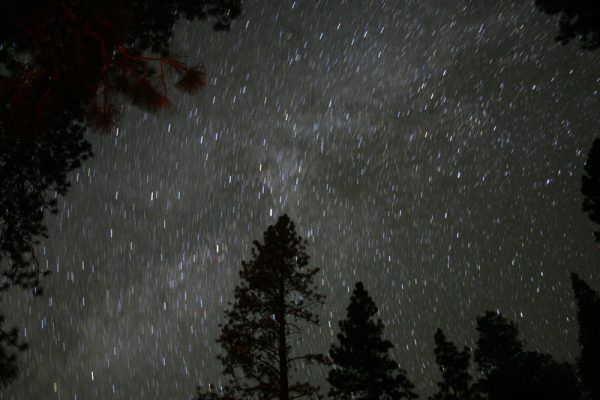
[
  {"x": 509, "y": 373},
  {"x": 275, "y": 297},
  {"x": 362, "y": 367},
  {"x": 498, "y": 342},
  {"x": 454, "y": 366},
  {"x": 588, "y": 316}
]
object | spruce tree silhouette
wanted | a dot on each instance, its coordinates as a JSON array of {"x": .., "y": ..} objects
[
  {"x": 454, "y": 366},
  {"x": 362, "y": 367},
  {"x": 588, "y": 317},
  {"x": 590, "y": 186},
  {"x": 275, "y": 296},
  {"x": 63, "y": 67},
  {"x": 509, "y": 373},
  {"x": 578, "y": 19}
]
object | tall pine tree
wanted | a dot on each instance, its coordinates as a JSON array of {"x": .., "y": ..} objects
[
  {"x": 362, "y": 367},
  {"x": 275, "y": 297},
  {"x": 588, "y": 316}
]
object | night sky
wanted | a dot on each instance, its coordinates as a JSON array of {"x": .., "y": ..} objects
[{"x": 432, "y": 149}]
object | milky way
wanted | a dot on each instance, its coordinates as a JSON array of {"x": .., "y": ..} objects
[{"x": 432, "y": 149}]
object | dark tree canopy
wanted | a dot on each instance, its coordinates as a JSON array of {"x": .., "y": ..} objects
[
  {"x": 454, "y": 366},
  {"x": 362, "y": 367},
  {"x": 578, "y": 19},
  {"x": 10, "y": 346},
  {"x": 64, "y": 66},
  {"x": 532, "y": 375},
  {"x": 31, "y": 173},
  {"x": 273, "y": 302},
  {"x": 509, "y": 373},
  {"x": 590, "y": 186},
  {"x": 498, "y": 342},
  {"x": 588, "y": 316},
  {"x": 78, "y": 57}
]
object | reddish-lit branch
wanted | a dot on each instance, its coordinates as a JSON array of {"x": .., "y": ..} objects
[{"x": 46, "y": 71}]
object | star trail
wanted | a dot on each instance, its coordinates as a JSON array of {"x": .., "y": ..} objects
[{"x": 433, "y": 150}]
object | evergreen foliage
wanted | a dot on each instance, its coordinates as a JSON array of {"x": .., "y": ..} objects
[
  {"x": 64, "y": 65},
  {"x": 588, "y": 317},
  {"x": 590, "y": 186},
  {"x": 362, "y": 367},
  {"x": 509, "y": 373},
  {"x": 578, "y": 19},
  {"x": 497, "y": 344},
  {"x": 275, "y": 296},
  {"x": 454, "y": 366},
  {"x": 10, "y": 346}
]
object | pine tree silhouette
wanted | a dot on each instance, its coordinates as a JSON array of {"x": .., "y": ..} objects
[
  {"x": 454, "y": 366},
  {"x": 362, "y": 367},
  {"x": 275, "y": 296}
]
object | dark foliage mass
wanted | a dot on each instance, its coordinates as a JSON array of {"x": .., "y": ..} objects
[
  {"x": 10, "y": 346},
  {"x": 588, "y": 317},
  {"x": 79, "y": 57},
  {"x": 590, "y": 186},
  {"x": 454, "y": 366},
  {"x": 64, "y": 65},
  {"x": 498, "y": 342},
  {"x": 362, "y": 367},
  {"x": 507, "y": 372},
  {"x": 578, "y": 19},
  {"x": 273, "y": 301},
  {"x": 32, "y": 174}
]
